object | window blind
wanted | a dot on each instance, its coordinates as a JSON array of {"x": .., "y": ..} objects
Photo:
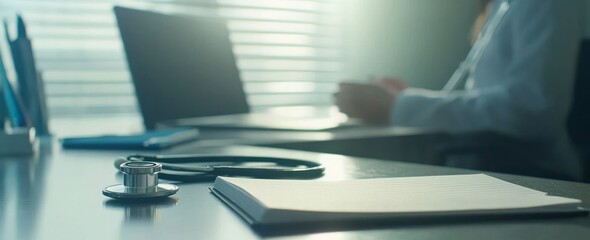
[{"x": 288, "y": 51}]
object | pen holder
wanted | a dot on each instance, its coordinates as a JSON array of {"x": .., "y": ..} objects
[{"x": 17, "y": 142}]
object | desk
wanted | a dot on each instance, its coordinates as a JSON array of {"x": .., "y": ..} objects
[
  {"x": 57, "y": 195},
  {"x": 382, "y": 142},
  {"x": 391, "y": 143}
]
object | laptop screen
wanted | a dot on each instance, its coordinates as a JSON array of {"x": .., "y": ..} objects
[{"x": 182, "y": 67}]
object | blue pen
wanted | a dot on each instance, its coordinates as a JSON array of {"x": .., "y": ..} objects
[{"x": 20, "y": 27}]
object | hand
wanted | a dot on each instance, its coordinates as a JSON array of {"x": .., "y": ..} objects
[
  {"x": 393, "y": 85},
  {"x": 370, "y": 102}
]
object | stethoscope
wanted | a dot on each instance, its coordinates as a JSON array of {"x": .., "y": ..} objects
[
  {"x": 141, "y": 172},
  {"x": 466, "y": 67}
]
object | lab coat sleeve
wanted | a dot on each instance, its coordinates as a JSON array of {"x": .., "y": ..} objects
[{"x": 533, "y": 102}]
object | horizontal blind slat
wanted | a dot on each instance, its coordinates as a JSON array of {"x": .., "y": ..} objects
[{"x": 289, "y": 52}]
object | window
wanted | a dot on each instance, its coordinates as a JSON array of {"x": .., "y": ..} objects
[{"x": 288, "y": 51}]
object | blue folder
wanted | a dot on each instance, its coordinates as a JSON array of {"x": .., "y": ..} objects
[{"x": 151, "y": 140}]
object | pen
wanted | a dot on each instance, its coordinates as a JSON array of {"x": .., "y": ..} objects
[{"x": 20, "y": 27}]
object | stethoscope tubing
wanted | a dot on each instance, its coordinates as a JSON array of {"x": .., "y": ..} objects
[{"x": 289, "y": 168}]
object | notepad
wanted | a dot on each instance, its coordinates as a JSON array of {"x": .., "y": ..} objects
[{"x": 263, "y": 202}]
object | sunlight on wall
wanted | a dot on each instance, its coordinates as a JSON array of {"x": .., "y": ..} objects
[{"x": 420, "y": 41}]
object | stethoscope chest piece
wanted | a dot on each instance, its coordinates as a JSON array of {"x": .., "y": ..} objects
[{"x": 140, "y": 182}]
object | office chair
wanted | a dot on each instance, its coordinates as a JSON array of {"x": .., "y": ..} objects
[
  {"x": 492, "y": 151},
  {"x": 579, "y": 118}
]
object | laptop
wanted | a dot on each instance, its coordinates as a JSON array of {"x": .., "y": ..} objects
[{"x": 185, "y": 74}]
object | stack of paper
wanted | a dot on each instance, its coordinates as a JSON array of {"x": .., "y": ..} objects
[{"x": 297, "y": 201}]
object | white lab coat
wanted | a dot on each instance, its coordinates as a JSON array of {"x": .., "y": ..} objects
[{"x": 522, "y": 85}]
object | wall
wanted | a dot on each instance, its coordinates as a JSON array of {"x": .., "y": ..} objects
[{"x": 420, "y": 41}]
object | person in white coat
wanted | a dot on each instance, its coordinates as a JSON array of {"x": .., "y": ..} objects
[{"x": 520, "y": 85}]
